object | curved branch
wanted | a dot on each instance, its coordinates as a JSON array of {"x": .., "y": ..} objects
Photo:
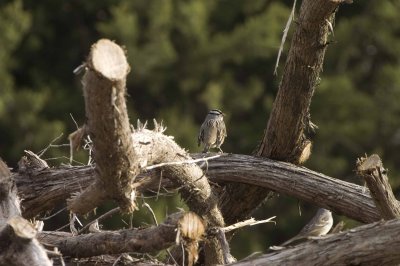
[{"x": 339, "y": 196}]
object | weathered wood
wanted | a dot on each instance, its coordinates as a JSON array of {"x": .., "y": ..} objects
[
  {"x": 372, "y": 244},
  {"x": 18, "y": 245},
  {"x": 375, "y": 175},
  {"x": 107, "y": 260},
  {"x": 9, "y": 201},
  {"x": 109, "y": 128},
  {"x": 334, "y": 194},
  {"x": 154, "y": 147},
  {"x": 154, "y": 238},
  {"x": 284, "y": 137}
]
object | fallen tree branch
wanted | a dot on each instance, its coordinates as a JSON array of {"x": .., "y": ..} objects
[
  {"x": 248, "y": 222},
  {"x": 154, "y": 238},
  {"x": 375, "y": 175},
  {"x": 334, "y": 194},
  {"x": 372, "y": 244},
  {"x": 153, "y": 147}
]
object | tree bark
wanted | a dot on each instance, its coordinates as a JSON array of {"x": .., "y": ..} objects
[
  {"x": 375, "y": 175},
  {"x": 18, "y": 245},
  {"x": 339, "y": 196},
  {"x": 108, "y": 126},
  {"x": 284, "y": 137},
  {"x": 155, "y": 238},
  {"x": 154, "y": 147},
  {"x": 372, "y": 244}
]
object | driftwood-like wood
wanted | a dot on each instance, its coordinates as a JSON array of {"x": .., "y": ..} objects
[
  {"x": 109, "y": 260},
  {"x": 375, "y": 175},
  {"x": 154, "y": 238},
  {"x": 284, "y": 137},
  {"x": 18, "y": 245},
  {"x": 339, "y": 196},
  {"x": 372, "y": 244},
  {"x": 153, "y": 147},
  {"x": 109, "y": 128}
]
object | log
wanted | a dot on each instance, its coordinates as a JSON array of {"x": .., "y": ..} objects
[
  {"x": 109, "y": 128},
  {"x": 154, "y": 238},
  {"x": 373, "y": 244},
  {"x": 334, "y": 194}
]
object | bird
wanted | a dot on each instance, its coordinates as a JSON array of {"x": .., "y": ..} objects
[
  {"x": 213, "y": 131},
  {"x": 319, "y": 225}
]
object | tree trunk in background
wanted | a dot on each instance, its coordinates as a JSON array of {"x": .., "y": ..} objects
[{"x": 284, "y": 137}]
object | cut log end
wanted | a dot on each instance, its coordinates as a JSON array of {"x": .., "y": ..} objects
[
  {"x": 109, "y": 60},
  {"x": 368, "y": 164},
  {"x": 22, "y": 228}
]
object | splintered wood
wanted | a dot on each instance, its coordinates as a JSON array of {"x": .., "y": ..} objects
[{"x": 375, "y": 175}]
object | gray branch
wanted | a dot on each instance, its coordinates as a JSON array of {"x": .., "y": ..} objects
[
  {"x": 339, "y": 196},
  {"x": 375, "y": 175},
  {"x": 372, "y": 244},
  {"x": 18, "y": 245}
]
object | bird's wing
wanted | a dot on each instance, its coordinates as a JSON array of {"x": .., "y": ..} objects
[
  {"x": 221, "y": 133},
  {"x": 200, "y": 138}
]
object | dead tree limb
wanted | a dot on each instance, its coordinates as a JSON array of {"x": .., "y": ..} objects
[
  {"x": 108, "y": 125},
  {"x": 372, "y": 244},
  {"x": 18, "y": 245},
  {"x": 145, "y": 240},
  {"x": 339, "y": 196},
  {"x": 284, "y": 137},
  {"x": 375, "y": 175},
  {"x": 107, "y": 260},
  {"x": 153, "y": 147}
]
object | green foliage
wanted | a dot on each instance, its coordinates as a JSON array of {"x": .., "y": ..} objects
[{"x": 191, "y": 56}]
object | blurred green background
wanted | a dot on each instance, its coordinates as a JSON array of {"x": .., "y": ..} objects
[{"x": 194, "y": 55}]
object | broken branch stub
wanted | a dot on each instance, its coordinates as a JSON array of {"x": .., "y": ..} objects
[
  {"x": 375, "y": 175},
  {"x": 108, "y": 125}
]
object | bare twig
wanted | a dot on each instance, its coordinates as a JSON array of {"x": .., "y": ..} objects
[
  {"x": 182, "y": 162},
  {"x": 152, "y": 212},
  {"x": 40, "y": 153},
  {"x": 249, "y": 222},
  {"x": 100, "y": 218},
  {"x": 285, "y": 32}
]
